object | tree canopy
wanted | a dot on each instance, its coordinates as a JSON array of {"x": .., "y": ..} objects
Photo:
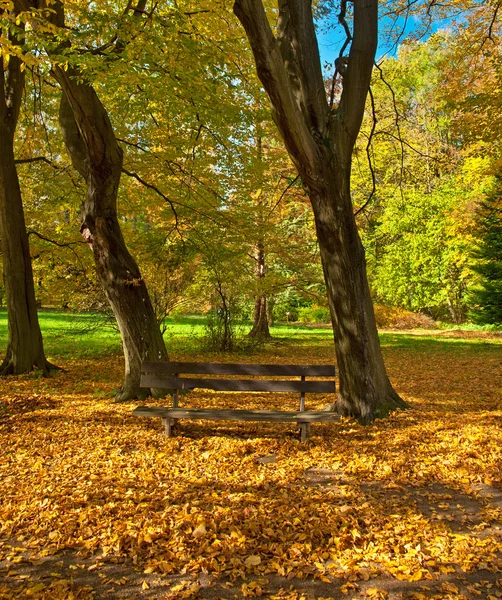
[{"x": 207, "y": 197}]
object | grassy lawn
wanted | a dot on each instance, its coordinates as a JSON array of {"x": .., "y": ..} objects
[{"x": 87, "y": 335}]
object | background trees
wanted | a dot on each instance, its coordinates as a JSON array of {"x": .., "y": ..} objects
[{"x": 207, "y": 199}]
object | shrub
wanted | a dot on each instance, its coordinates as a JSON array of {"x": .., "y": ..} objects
[
  {"x": 314, "y": 314},
  {"x": 391, "y": 317}
]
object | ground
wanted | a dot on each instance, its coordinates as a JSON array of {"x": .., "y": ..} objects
[{"x": 98, "y": 504}]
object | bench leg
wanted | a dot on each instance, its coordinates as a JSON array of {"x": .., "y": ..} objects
[
  {"x": 168, "y": 426},
  {"x": 304, "y": 431}
]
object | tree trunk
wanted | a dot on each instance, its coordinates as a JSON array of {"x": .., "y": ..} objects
[
  {"x": 260, "y": 328},
  {"x": 95, "y": 153},
  {"x": 365, "y": 391},
  {"x": 320, "y": 141},
  {"x": 25, "y": 350},
  {"x": 270, "y": 311}
]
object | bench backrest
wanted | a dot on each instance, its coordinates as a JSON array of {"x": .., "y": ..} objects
[
  {"x": 177, "y": 368},
  {"x": 166, "y": 375}
]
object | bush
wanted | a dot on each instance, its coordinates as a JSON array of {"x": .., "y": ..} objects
[
  {"x": 392, "y": 317},
  {"x": 314, "y": 314},
  {"x": 224, "y": 331}
]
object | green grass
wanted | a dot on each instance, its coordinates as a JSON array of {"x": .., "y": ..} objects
[
  {"x": 80, "y": 335},
  {"x": 71, "y": 334},
  {"x": 437, "y": 343}
]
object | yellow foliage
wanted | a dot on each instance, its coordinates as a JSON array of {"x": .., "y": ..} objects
[{"x": 404, "y": 498}]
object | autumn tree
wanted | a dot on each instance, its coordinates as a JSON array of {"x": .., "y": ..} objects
[
  {"x": 320, "y": 139},
  {"x": 97, "y": 156},
  {"x": 25, "y": 350}
]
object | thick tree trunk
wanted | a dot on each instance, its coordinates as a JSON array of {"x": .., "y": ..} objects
[
  {"x": 95, "y": 153},
  {"x": 128, "y": 296},
  {"x": 25, "y": 350},
  {"x": 260, "y": 329},
  {"x": 365, "y": 391},
  {"x": 320, "y": 141}
]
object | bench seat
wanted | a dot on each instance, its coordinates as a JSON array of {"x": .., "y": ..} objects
[{"x": 170, "y": 415}]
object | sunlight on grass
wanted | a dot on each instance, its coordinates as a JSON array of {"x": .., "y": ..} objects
[{"x": 92, "y": 335}]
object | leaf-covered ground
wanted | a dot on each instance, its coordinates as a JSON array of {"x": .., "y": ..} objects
[{"x": 97, "y": 504}]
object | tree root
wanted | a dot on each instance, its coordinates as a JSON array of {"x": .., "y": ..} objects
[
  {"x": 129, "y": 393},
  {"x": 376, "y": 409},
  {"x": 8, "y": 367}
]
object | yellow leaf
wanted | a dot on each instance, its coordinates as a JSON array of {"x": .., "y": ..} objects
[
  {"x": 199, "y": 531},
  {"x": 252, "y": 561},
  {"x": 445, "y": 569}
]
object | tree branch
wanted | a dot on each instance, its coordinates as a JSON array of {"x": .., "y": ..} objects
[
  {"x": 23, "y": 161},
  {"x": 150, "y": 186},
  {"x": 348, "y": 38},
  {"x": 287, "y": 98},
  {"x": 368, "y": 154},
  {"x": 68, "y": 245},
  {"x": 285, "y": 191},
  {"x": 396, "y": 120},
  {"x": 357, "y": 79}
]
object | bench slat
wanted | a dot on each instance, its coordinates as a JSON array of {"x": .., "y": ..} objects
[
  {"x": 239, "y": 369},
  {"x": 237, "y": 385},
  {"x": 235, "y": 415}
]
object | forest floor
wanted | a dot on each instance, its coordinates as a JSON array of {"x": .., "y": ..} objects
[{"x": 97, "y": 504}]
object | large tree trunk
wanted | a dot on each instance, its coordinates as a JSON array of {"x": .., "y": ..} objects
[
  {"x": 25, "y": 350},
  {"x": 95, "y": 153},
  {"x": 260, "y": 329},
  {"x": 365, "y": 391},
  {"x": 320, "y": 141}
]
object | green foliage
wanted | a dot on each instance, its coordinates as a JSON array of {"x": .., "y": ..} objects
[
  {"x": 314, "y": 314},
  {"x": 487, "y": 296},
  {"x": 430, "y": 175},
  {"x": 419, "y": 260}
]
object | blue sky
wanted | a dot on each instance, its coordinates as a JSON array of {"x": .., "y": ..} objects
[{"x": 330, "y": 42}]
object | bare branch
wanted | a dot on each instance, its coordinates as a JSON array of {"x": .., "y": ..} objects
[
  {"x": 368, "y": 154},
  {"x": 285, "y": 191},
  {"x": 150, "y": 186},
  {"x": 23, "y": 161}
]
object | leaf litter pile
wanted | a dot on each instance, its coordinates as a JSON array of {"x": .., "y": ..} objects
[{"x": 97, "y": 504}]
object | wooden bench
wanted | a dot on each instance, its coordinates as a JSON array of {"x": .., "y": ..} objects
[{"x": 168, "y": 375}]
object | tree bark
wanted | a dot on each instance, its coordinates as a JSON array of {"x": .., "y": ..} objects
[
  {"x": 25, "y": 350},
  {"x": 96, "y": 154},
  {"x": 320, "y": 142},
  {"x": 260, "y": 329}
]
